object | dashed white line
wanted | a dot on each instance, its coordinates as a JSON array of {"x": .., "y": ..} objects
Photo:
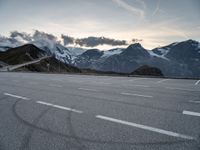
[
  {"x": 197, "y": 82},
  {"x": 146, "y": 86},
  {"x": 106, "y": 83},
  {"x": 144, "y": 127},
  {"x": 135, "y": 79},
  {"x": 16, "y": 96},
  {"x": 196, "y": 102},
  {"x": 132, "y": 94},
  {"x": 162, "y": 80},
  {"x": 56, "y": 79},
  {"x": 86, "y": 89},
  {"x": 59, "y": 107},
  {"x": 171, "y": 88},
  {"x": 191, "y": 113},
  {"x": 55, "y": 85}
]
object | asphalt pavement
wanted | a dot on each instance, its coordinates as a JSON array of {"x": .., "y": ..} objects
[{"x": 85, "y": 112}]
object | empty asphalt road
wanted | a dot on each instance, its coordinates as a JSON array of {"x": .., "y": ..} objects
[{"x": 81, "y": 112}]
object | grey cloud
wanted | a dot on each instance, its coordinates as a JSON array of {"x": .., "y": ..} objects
[
  {"x": 136, "y": 40},
  {"x": 23, "y": 35},
  {"x": 31, "y": 37},
  {"x": 9, "y": 42},
  {"x": 95, "y": 41},
  {"x": 42, "y": 35},
  {"x": 67, "y": 39}
]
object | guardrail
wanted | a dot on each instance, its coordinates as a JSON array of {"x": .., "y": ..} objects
[{"x": 13, "y": 67}]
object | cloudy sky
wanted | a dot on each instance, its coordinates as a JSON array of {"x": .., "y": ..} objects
[{"x": 155, "y": 22}]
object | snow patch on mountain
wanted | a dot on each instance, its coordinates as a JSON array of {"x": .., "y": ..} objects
[
  {"x": 112, "y": 52},
  {"x": 163, "y": 51},
  {"x": 174, "y": 44},
  {"x": 77, "y": 50},
  {"x": 198, "y": 46},
  {"x": 45, "y": 44}
]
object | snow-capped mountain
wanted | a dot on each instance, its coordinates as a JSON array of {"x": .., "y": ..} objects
[
  {"x": 77, "y": 50},
  {"x": 180, "y": 59},
  {"x": 177, "y": 59},
  {"x": 51, "y": 47},
  {"x": 111, "y": 52},
  {"x": 62, "y": 53}
]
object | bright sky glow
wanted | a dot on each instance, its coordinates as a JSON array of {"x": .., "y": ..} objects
[{"x": 156, "y": 22}]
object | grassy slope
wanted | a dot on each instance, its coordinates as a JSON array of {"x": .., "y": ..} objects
[{"x": 18, "y": 55}]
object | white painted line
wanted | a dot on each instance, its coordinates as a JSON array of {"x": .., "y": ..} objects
[
  {"x": 56, "y": 79},
  {"x": 16, "y": 96},
  {"x": 131, "y": 94},
  {"x": 146, "y": 86},
  {"x": 162, "y": 80},
  {"x": 191, "y": 113},
  {"x": 135, "y": 79},
  {"x": 96, "y": 82},
  {"x": 197, "y": 102},
  {"x": 171, "y": 88},
  {"x": 55, "y": 85},
  {"x": 58, "y": 106},
  {"x": 85, "y": 89},
  {"x": 144, "y": 127},
  {"x": 197, "y": 82}
]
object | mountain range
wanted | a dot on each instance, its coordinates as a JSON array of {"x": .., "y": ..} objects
[{"x": 180, "y": 59}]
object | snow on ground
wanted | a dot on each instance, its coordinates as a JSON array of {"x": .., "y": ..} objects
[
  {"x": 77, "y": 50},
  {"x": 163, "y": 51},
  {"x": 198, "y": 45},
  {"x": 45, "y": 44},
  {"x": 112, "y": 52},
  {"x": 159, "y": 56},
  {"x": 175, "y": 43}
]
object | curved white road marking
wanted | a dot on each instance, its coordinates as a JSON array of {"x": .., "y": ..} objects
[
  {"x": 191, "y": 113},
  {"x": 197, "y": 82},
  {"x": 144, "y": 127},
  {"x": 132, "y": 94},
  {"x": 16, "y": 96},
  {"x": 162, "y": 80},
  {"x": 60, "y": 107}
]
